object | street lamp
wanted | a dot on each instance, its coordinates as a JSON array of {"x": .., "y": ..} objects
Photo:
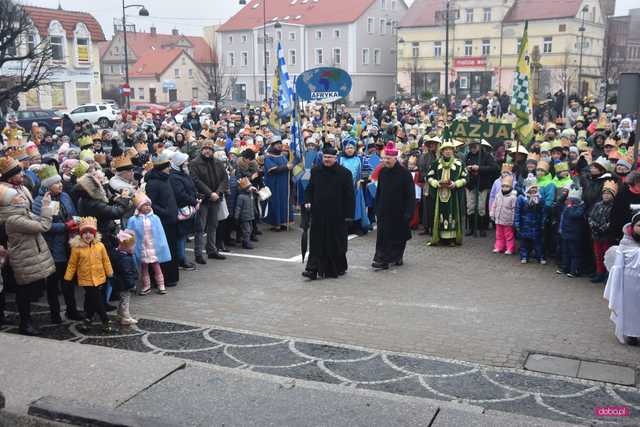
[
  {"x": 581, "y": 29},
  {"x": 446, "y": 60},
  {"x": 264, "y": 40},
  {"x": 142, "y": 12},
  {"x": 394, "y": 27}
]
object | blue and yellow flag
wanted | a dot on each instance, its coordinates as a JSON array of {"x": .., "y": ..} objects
[{"x": 521, "y": 102}]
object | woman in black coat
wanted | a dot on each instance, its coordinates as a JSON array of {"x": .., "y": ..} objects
[
  {"x": 185, "y": 192},
  {"x": 163, "y": 201}
]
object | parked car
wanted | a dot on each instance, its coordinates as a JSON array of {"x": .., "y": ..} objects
[
  {"x": 204, "y": 111},
  {"x": 112, "y": 102},
  {"x": 176, "y": 107},
  {"x": 102, "y": 114},
  {"x": 48, "y": 119},
  {"x": 147, "y": 107}
]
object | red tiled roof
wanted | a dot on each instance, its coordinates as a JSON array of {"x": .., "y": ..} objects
[
  {"x": 42, "y": 17},
  {"x": 301, "y": 12},
  {"x": 542, "y": 9},
  {"x": 422, "y": 13},
  {"x": 155, "y": 62},
  {"x": 103, "y": 46},
  {"x": 141, "y": 43}
]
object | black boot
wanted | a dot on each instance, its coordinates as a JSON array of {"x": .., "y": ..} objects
[
  {"x": 470, "y": 226},
  {"x": 311, "y": 275}
]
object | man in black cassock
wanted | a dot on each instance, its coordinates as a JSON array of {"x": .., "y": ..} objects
[
  {"x": 331, "y": 200},
  {"x": 395, "y": 204}
]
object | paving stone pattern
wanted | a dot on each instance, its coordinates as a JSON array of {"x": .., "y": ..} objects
[{"x": 502, "y": 389}]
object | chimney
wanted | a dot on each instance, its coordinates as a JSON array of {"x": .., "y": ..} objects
[
  {"x": 175, "y": 32},
  {"x": 153, "y": 31}
]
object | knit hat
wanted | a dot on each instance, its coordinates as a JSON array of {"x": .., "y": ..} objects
[
  {"x": 575, "y": 193},
  {"x": 178, "y": 160},
  {"x": 88, "y": 223},
  {"x": 126, "y": 238},
  {"x": 624, "y": 162},
  {"x": 635, "y": 218},
  {"x": 48, "y": 176},
  {"x": 207, "y": 143},
  {"x": 611, "y": 187},
  {"x": 69, "y": 163},
  {"x": 561, "y": 167},
  {"x": 602, "y": 163},
  {"x": 140, "y": 199},
  {"x": 7, "y": 194},
  {"x": 80, "y": 169},
  {"x": 9, "y": 167},
  {"x": 32, "y": 150},
  {"x": 390, "y": 149},
  {"x": 530, "y": 183}
]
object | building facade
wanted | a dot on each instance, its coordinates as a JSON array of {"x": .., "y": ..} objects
[
  {"x": 622, "y": 53},
  {"x": 76, "y": 78},
  {"x": 361, "y": 39},
  {"x": 484, "y": 38}
]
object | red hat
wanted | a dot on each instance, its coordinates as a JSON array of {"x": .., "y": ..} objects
[{"x": 390, "y": 149}]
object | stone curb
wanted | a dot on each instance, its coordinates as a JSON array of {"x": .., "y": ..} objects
[{"x": 79, "y": 413}]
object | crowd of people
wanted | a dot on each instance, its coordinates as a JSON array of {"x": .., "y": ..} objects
[{"x": 111, "y": 210}]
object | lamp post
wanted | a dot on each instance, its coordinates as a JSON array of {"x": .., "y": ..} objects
[
  {"x": 394, "y": 27},
  {"x": 581, "y": 29},
  {"x": 143, "y": 12},
  {"x": 264, "y": 42},
  {"x": 446, "y": 59}
]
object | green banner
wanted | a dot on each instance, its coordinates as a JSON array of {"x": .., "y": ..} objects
[{"x": 492, "y": 132}]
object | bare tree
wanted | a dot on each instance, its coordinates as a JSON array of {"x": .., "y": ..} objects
[
  {"x": 218, "y": 85},
  {"x": 24, "y": 65}
]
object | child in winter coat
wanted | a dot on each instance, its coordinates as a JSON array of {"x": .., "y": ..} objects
[
  {"x": 244, "y": 211},
  {"x": 125, "y": 274},
  {"x": 502, "y": 212},
  {"x": 89, "y": 260},
  {"x": 529, "y": 219},
  {"x": 601, "y": 232},
  {"x": 152, "y": 248},
  {"x": 572, "y": 227}
]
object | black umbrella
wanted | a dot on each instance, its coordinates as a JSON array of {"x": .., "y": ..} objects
[{"x": 304, "y": 224}]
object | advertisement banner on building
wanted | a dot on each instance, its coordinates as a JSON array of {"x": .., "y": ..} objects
[
  {"x": 470, "y": 62},
  {"x": 492, "y": 132},
  {"x": 323, "y": 84}
]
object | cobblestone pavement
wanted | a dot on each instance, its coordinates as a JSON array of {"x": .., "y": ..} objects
[{"x": 502, "y": 389}]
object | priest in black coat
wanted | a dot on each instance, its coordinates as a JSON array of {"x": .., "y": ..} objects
[
  {"x": 331, "y": 200},
  {"x": 395, "y": 204}
]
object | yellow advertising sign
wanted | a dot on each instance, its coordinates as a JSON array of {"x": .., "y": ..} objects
[{"x": 83, "y": 53}]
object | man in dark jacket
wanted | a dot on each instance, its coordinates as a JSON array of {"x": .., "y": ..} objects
[
  {"x": 164, "y": 204},
  {"x": 426, "y": 160},
  {"x": 212, "y": 181},
  {"x": 331, "y": 199},
  {"x": 482, "y": 169},
  {"x": 395, "y": 204}
]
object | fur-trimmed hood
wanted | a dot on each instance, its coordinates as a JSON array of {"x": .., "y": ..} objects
[
  {"x": 77, "y": 242},
  {"x": 93, "y": 188}
]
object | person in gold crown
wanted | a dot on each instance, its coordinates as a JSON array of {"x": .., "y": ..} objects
[
  {"x": 447, "y": 179},
  {"x": 90, "y": 263}
]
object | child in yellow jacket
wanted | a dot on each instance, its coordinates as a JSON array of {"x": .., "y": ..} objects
[{"x": 90, "y": 261}]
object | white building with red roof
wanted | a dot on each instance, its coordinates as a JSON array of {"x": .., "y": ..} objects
[
  {"x": 484, "y": 38},
  {"x": 358, "y": 36},
  {"x": 74, "y": 38},
  {"x": 162, "y": 67}
]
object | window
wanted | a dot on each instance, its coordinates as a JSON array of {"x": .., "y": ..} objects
[
  {"x": 184, "y": 61},
  {"x": 518, "y": 44},
  {"x": 486, "y": 47},
  {"x": 468, "y": 47},
  {"x": 83, "y": 93},
  {"x": 244, "y": 38},
  {"x": 463, "y": 82},
  {"x": 12, "y": 50},
  {"x": 57, "y": 48},
  {"x": 377, "y": 57},
  {"x": 370, "y": 25},
  {"x": 31, "y": 42},
  {"x": 190, "y": 73},
  {"x": 562, "y": 28},
  {"x": 318, "y": 35},
  {"x": 292, "y": 57},
  {"x": 337, "y": 56},
  {"x": 244, "y": 59},
  {"x": 32, "y": 98},
  {"x": 383, "y": 4},
  {"x": 57, "y": 95},
  {"x": 415, "y": 49},
  {"x": 82, "y": 50},
  {"x": 365, "y": 56},
  {"x": 230, "y": 39},
  {"x": 194, "y": 92},
  {"x": 486, "y": 14},
  {"x": 437, "y": 49},
  {"x": 232, "y": 59},
  {"x": 279, "y": 35},
  {"x": 122, "y": 68},
  {"x": 468, "y": 15},
  {"x": 319, "y": 57},
  {"x": 176, "y": 73},
  {"x": 141, "y": 92},
  {"x": 336, "y": 34},
  {"x": 116, "y": 50},
  {"x": 383, "y": 26},
  {"x": 132, "y": 94},
  {"x": 394, "y": 4},
  {"x": 547, "y": 47},
  {"x": 268, "y": 58},
  {"x": 292, "y": 36}
]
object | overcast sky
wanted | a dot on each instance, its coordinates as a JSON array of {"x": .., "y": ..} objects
[{"x": 188, "y": 17}]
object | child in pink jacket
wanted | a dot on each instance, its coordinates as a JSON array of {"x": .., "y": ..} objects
[{"x": 502, "y": 212}]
